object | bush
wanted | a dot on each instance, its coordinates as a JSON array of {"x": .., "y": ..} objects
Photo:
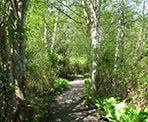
[
  {"x": 87, "y": 84},
  {"x": 60, "y": 85},
  {"x": 116, "y": 111}
]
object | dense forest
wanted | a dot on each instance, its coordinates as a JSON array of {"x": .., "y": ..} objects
[{"x": 46, "y": 44}]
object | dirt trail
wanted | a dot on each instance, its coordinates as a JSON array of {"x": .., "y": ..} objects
[{"x": 70, "y": 107}]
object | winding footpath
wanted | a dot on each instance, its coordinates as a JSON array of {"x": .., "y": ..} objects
[{"x": 70, "y": 107}]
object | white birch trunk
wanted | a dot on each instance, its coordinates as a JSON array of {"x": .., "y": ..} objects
[
  {"x": 94, "y": 40},
  {"x": 140, "y": 46},
  {"x": 119, "y": 50},
  {"x": 54, "y": 32},
  {"x": 91, "y": 14},
  {"x": 19, "y": 45},
  {"x": 119, "y": 57},
  {"x": 46, "y": 36}
]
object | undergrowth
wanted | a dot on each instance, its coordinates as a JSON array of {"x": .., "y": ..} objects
[
  {"x": 114, "y": 109},
  {"x": 40, "y": 101},
  {"x": 60, "y": 85}
]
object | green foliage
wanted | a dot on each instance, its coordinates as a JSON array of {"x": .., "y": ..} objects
[
  {"x": 54, "y": 59},
  {"x": 41, "y": 67},
  {"x": 116, "y": 111},
  {"x": 87, "y": 84},
  {"x": 69, "y": 69},
  {"x": 60, "y": 85},
  {"x": 38, "y": 103},
  {"x": 79, "y": 64}
]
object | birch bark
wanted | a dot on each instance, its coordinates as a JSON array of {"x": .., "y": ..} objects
[
  {"x": 55, "y": 31},
  {"x": 140, "y": 46},
  {"x": 119, "y": 50},
  {"x": 91, "y": 13},
  {"x": 46, "y": 36},
  {"x": 18, "y": 17}
]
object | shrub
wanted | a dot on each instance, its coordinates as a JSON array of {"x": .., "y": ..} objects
[
  {"x": 60, "y": 85},
  {"x": 116, "y": 111},
  {"x": 87, "y": 84}
]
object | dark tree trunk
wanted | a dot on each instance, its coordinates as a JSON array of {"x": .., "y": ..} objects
[{"x": 12, "y": 56}]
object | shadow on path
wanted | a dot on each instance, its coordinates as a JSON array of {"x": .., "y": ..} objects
[{"x": 70, "y": 107}]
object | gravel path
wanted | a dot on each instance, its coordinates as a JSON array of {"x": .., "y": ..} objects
[{"x": 70, "y": 107}]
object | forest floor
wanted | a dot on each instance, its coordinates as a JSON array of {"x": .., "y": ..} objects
[{"x": 70, "y": 106}]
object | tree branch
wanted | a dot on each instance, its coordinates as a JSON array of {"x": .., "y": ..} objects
[
  {"x": 66, "y": 14},
  {"x": 86, "y": 13},
  {"x": 72, "y": 10}
]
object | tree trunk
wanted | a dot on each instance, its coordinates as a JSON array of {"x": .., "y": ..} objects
[
  {"x": 119, "y": 50},
  {"x": 140, "y": 46},
  {"x": 18, "y": 17},
  {"x": 55, "y": 31},
  {"x": 91, "y": 13},
  {"x": 119, "y": 53},
  {"x": 46, "y": 36},
  {"x": 13, "y": 54},
  {"x": 8, "y": 100}
]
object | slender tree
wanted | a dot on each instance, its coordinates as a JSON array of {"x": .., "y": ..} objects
[
  {"x": 120, "y": 36},
  {"x": 91, "y": 13},
  {"x": 142, "y": 33},
  {"x": 55, "y": 31},
  {"x": 46, "y": 35}
]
